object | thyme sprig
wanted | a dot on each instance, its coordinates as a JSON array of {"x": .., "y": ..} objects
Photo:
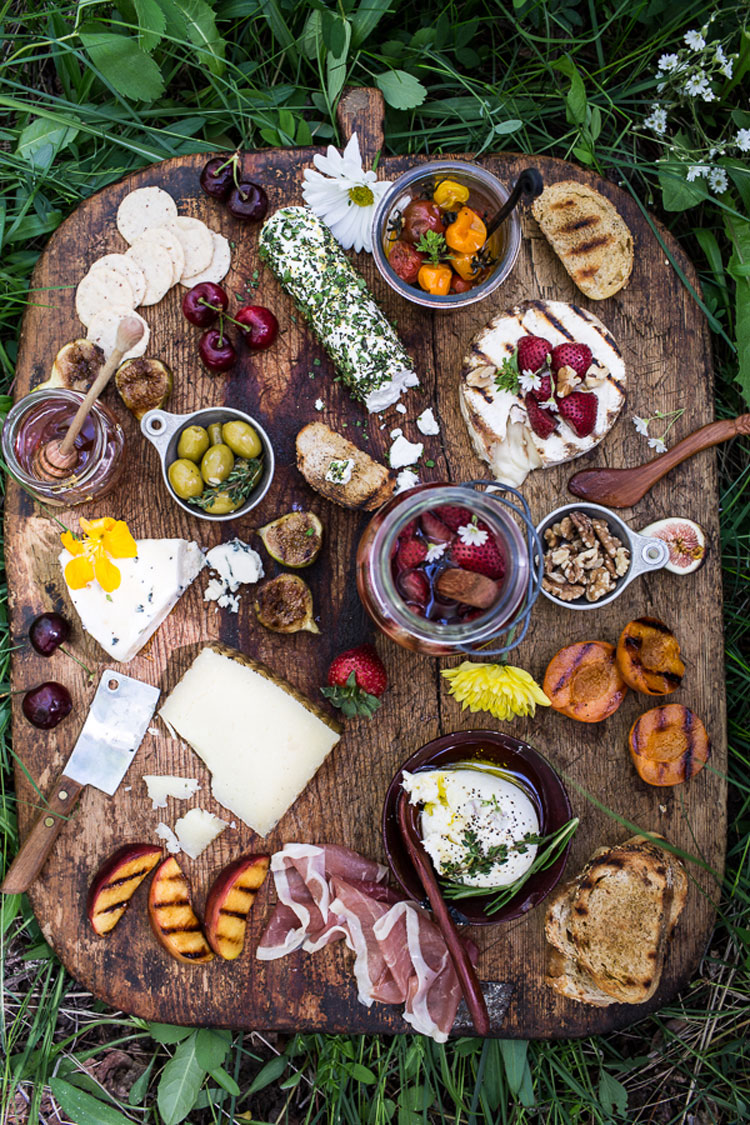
[
  {"x": 433, "y": 246},
  {"x": 238, "y": 485},
  {"x": 507, "y": 375}
]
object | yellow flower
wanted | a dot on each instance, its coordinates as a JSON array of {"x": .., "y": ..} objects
[
  {"x": 501, "y": 689},
  {"x": 103, "y": 539}
]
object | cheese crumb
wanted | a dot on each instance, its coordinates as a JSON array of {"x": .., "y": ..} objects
[
  {"x": 319, "y": 404},
  {"x": 396, "y": 433},
  {"x": 165, "y": 833},
  {"x": 427, "y": 423},
  {"x": 196, "y": 830},
  {"x": 401, "y": 408},
  {"x": 159, "y": 787},
  {"x": 406, "y": 479},
  {"x": 404, "y": 452}
]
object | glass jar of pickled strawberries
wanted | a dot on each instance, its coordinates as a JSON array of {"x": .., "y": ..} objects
[{"x": 443, "y": 568}]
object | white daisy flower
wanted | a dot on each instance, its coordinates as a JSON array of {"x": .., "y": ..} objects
[
  {"x": 528, "y": 381},
  {"x": 742, "y": 140},
  {"x": 696, "y": 170},
  {"x": 657, "y": 119},
  {"x": 471, "y": 535},
  {"x": 657, "y": 443},
  {"x": 696, "y": 84},
  {"x": 695, "y": 40},
  {"x": 641, "y": 425},
  {"x": 435, "y": 551},
  {"x": 718, "y": 180},
  {"x": 343, "y": 195},
  {"x": 668, "y": 62}
]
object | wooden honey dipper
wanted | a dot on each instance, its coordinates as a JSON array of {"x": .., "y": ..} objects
[{"x": 57, "y": 459}]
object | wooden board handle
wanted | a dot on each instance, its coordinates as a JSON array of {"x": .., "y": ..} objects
[
  {"x": 38, "y": 844},
  {"x": 361, "y": 110}
]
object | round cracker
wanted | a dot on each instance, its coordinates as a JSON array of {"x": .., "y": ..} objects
[
  {"x": 127, "y": 266},
  {"x": 156, "y": 264},
  {"x": 103, "y": 331},
  {"x": 218, "y": 267},
  {"x": 104, "y": 291},
  {"x": 196, "y": 242},
  {"x": 143, "y": 208},
  {"x": 162, "y": 236}
]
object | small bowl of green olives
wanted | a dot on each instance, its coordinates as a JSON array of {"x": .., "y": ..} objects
[{"x": 217, "y": 463}]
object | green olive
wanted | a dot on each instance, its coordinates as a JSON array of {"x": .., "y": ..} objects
[
  {"x": 221, "y": 505},
  {"x": 193, "y": 443},
  {"x": 241, "y": 439},
  {"x": 217, "y": 464},
  {"x": 185, "y": 478},
  {"x": 214, "y": 433}
]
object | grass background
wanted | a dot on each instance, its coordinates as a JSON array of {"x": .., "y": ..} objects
[{"x": 91, "y": 91}]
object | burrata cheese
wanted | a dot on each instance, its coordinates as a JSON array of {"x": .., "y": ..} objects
[{"x": 475, "y": 824}]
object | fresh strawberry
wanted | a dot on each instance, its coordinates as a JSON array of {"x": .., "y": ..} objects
[
  {"x": 542, "y": 422},
  {"x": 414, "y": 587},
  {"x": 453, "y": 516},
  {"x": 411, "y": 553},
  {"x": 485, "y": 559},
  {"x": 532, "y": 352},
  {"x": 577, "y": 356},
  {"x": 356, "y": 680},
  {"x": 435, "y": 530},
  {"x": 579, "y": 411},
  {"x": 409, "y": 530},
  {"x": 544, "y": 390}
]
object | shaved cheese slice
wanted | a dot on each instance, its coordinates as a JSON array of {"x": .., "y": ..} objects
[
  {"x": 161, "y": 786},
  {"x": 165, "y": 833},
  {"x": 261, "y": 739},
  {"x": 197, "y": 829}
]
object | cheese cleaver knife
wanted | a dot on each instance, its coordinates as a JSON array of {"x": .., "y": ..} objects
[{"x": 113, "y": 731}]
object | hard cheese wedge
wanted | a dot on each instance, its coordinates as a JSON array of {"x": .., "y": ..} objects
[
  {"x": 261, "y": 739},
  {"x": 151, "y": 584}
]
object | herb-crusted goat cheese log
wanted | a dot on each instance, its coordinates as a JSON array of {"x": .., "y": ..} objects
[{"x": 314, "y": 271}]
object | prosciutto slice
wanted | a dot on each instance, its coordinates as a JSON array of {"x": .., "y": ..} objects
[{"x": 328, "y": 893}]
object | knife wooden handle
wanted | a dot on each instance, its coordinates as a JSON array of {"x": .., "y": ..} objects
[{"x": 38, "y": 844}]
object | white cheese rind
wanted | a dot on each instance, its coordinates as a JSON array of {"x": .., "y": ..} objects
[
  {"x": 261, "y": 744},
  {"x": 151, "y": 584},
  {"x": 161, "y": 786}
]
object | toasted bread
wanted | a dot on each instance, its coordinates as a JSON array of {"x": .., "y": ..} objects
[
  {"x": 567, "y": 978},
  {"x": 589, "y": 236},
  {"x": 370, "y": 483}
]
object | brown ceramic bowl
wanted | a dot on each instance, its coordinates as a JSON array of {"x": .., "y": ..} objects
[{"x": 517, "y": 758}]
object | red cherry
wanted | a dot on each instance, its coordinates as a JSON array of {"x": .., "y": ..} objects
[
  {"x": 197, "y": 302},
  {"x": 248, "y": 202},
  {"x": 47, "y": 632},
  {"x": 258, "y": 325},
  {"x": 47, "y": 705},
  {"x": 217, "y": 350},
  {"x": 217, "y": 177}
]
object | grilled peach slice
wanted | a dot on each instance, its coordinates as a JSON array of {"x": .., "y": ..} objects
[
  {"x": 668, "y": 744},
  {"x": 648, "y": 656},
  {"x": 228, "y": 903},
  {"x": 116, "y": 882},
  {"x": 173, "y": 919},
  {"x": 583, "y": 682}
]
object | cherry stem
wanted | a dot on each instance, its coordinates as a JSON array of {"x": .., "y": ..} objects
[
  {"x": 233, "y": 159},
  {"x": 77, "y": 661}
]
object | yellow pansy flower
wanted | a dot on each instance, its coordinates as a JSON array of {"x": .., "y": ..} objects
[
  {"x": 501, "y": 689},
  {"x": 103, "y": 539}
]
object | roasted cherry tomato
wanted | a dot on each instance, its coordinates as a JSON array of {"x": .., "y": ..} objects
[
  {"x": 405, "y": 261},
  {"x": 448, "y": 193},
  {"x": 420, "y": 216},
  {"x": 460, "y": 284},
  {"x": 463, "y": 264},
  {"x": 436, "y": 279},
  {"x": 468, "y": 233}
]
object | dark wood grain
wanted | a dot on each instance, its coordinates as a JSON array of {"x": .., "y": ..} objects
[{"x": 657, "y": 325}]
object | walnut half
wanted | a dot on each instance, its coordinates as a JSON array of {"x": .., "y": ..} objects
[{"x": 582, "y": 559}]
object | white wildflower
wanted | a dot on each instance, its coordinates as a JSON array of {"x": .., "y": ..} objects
[
  {"x": 550, "y": 404},
  {"x": 657, "y": 119},
  {"x": 435, "y": 551},
  {"x": 528, "y": 381},
  {"x": 345, "y": 196},
  {"x": 641, "y": 425},
  {"x": 669, "y": 62},
  {"x": 742, "y": 140},
  {"x": 718, "y": 181},
  {"x": 719, "y": 55},
  {"x": 727, "y": 69},
  {"x": 696, "y": 170},
  {"x": 657, "y": 443},
  {"x": 695, "y": 40},
  {"x": 697, "y": 84},
  {"x": 471, "y": 535}
]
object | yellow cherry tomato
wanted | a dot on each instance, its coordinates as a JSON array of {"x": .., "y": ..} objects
[
  {"x": 468, "y": 233},
  {"x": 448, "y": 193},
  {"x": 462, "y": 264},
  {"x": 435, "y": 279}
]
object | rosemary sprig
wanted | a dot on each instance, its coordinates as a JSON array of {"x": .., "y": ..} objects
[
  {"x": 238, "y": 485},
  {"x": 550, "y": 849}
]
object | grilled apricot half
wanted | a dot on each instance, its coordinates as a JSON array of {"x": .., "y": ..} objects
[
  {"x": 583, "y": 681},
  {"x": 173, "y": 919},
  {"x": 228, "y": 903},
  {"x": 116, "y": 882},
  {"x": 668, "y": 744},
  {"x": 648, "y": 656}
]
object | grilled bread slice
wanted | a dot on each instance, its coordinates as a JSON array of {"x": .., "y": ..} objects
[
  {"x": 567, "y": 978},
  {"x": 589, "y": 236},
  {"x": 363, "y": 484}
]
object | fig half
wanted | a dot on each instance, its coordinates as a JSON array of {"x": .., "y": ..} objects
[
  {"x": 285, "y": 605},
  {"x": 294, "y": 540},
  {"x": 75, "y": 366},
  {"x": 144, "y": 384},
  {"x": 686, "y": 540}
]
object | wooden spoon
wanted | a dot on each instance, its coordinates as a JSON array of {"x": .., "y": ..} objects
[
  {"x": 57, "y": 459},
  {"x": 622, "y": 488},
  {"x": 467, "y": 976},
  {"x": 529, "y": 183}
]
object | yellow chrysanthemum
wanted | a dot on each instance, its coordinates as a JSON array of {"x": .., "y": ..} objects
[
  {"x": 501, "y": 689},
  {"x": 103, "y": 539}
]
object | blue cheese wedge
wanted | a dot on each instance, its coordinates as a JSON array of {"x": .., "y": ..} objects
[
  {"x": 151, "y": 584},
  {"x": 333, "y": 297}
]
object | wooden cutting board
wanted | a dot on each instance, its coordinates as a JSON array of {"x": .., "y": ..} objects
[{"x": 666, "y": 346}]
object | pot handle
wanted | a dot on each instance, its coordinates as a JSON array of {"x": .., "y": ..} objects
[
  {"x": 159, "y": 426},
  {"x": 648, "y": 554}
]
